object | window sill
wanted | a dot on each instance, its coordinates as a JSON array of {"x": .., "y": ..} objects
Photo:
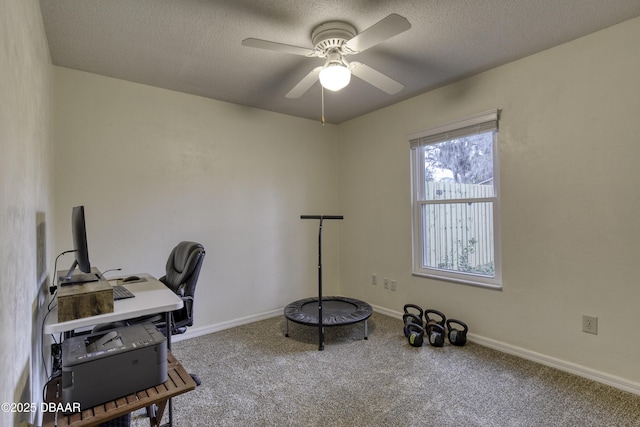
[{"x": 495, "y": 284}]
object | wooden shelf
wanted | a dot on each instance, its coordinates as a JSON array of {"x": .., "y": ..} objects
[{"x": 156, "y": 398}]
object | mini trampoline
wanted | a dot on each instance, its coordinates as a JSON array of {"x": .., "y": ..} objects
[
  {"x": 336, "y": 311},
  {"x": 327, "y": 311}
]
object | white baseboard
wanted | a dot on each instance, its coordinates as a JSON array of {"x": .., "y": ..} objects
[
  {"x": 387, "y": 312},
  {"x": 562, "y": 365},
  {"x": 199, "y": 331}
]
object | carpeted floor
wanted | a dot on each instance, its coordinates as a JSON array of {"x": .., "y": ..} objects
[{"x": 253, "y": 375}]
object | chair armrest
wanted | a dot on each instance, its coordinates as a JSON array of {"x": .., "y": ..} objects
[{"x": 188, "y": 305}]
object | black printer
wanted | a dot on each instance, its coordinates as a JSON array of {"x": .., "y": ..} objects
[{"x": 107, "y": 365}]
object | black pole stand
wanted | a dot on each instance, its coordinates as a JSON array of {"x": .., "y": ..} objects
[{"x": 320, "y": 325}]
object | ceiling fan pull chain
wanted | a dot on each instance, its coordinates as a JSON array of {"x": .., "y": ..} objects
[{"x": 322, "y": 89}]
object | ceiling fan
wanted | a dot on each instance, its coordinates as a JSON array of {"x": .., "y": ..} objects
[{"x": 333, "y": 41}]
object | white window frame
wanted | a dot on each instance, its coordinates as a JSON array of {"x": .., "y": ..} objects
[{"x": 473, "y": 124}]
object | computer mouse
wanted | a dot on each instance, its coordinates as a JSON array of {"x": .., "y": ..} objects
[{"x": 131, "y": 279}]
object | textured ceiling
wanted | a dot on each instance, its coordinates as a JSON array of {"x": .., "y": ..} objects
[{"x": 194, "y": 46}]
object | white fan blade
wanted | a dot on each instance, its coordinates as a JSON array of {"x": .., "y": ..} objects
[
  {"x": 278, "y": 47},
  {"x": 383, "y": 30},
  {"x": 305, "y": 84},
  {"x": 375, "y": 78}
]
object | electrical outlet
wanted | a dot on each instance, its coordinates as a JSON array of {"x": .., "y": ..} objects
[
  {"x": 590, "y": 324},
  {"x": 386, "y": 283},
  {"x": 374, "y": 279},
  {"x": 393, "y": 285}
]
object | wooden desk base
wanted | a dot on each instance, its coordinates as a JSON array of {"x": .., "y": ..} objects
[{"x": 178, "y": 382}]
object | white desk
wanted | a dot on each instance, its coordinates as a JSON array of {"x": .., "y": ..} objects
[{"x": 151, "y": 297}]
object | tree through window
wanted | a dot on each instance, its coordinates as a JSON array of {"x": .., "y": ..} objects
[{"x": 467, "y": 160}]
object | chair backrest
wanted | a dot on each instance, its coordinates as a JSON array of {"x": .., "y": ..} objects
[{"x": 183, "y": 268}]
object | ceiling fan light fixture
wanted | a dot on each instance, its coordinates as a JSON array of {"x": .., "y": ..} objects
[{"x": 335, "y": 76}]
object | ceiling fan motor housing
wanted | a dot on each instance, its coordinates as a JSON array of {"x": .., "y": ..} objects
[{"x": 332, "y": 35}]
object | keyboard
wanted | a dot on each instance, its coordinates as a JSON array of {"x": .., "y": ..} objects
[{"x": 120, "y": 292}]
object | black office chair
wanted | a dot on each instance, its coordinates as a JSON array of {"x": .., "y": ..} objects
[
  {"x": 182, "y": 271},
  {"x": 181, "y": 276}
]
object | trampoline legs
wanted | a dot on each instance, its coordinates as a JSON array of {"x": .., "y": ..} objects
[{"x": 366, "y": 329}]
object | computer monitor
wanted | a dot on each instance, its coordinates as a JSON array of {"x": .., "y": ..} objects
[{"x": 81, "y": 251}]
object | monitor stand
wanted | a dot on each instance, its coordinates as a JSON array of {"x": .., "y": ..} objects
[{"x": 80, "y": 277}]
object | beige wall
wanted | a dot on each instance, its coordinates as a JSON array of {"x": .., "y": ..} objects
[
  {"x": 25, "y": 199},
  {"x": 153, "y": 167},
  {"x": 568, "y": 147}
]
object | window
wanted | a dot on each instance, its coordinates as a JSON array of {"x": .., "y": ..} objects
[{"x": 455, "y": 198}]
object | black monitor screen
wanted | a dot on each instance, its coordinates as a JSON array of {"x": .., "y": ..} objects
[
  {"x": 81, "y": 251},
  {"x": 79, "y": 231}
]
